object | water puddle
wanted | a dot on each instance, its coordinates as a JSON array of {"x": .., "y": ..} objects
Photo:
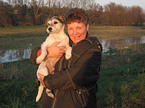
[
  {"x": 121, "y": 43},
  {"x": 15, "y": 55}
]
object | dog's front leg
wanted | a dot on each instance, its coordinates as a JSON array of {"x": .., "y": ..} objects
[
  {"x": 43, "y": 53},
  {"x": 44, "y": 47},
  {"x": 68, "y": 51}
]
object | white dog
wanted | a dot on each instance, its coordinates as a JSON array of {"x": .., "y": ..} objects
[{"x": 56, "y": 33}]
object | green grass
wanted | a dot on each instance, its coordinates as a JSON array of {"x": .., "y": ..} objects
[
  {"x": 21, "y": 31},
  {"x": 18, "y": 85},
  {"x": 122, "y": 79},
  {"x": 121, "y": 82},
  {"x": 22, "y": 37},
  {"x": 18, "y": 94},
  {"x": 18, "y": 70}
]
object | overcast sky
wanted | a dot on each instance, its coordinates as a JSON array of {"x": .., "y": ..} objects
[{"x": 129, "y": 3}]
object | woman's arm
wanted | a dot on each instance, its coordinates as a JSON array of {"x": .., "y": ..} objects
[
  {"x": 82, "y": 73},
  {"x": 53, "y": 51}
]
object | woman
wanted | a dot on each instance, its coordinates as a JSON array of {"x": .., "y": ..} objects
[{"x": 74, "y": 81}]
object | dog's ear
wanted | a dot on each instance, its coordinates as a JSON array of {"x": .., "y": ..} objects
[
  {"x": 46, "y": 21},
  {"x": 61, "y": 18}
]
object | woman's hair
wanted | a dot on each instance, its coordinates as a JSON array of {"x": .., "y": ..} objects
[{"x": 77, "y": 15}]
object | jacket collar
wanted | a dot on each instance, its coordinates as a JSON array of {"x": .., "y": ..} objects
[{"x": 80, "y": 48}]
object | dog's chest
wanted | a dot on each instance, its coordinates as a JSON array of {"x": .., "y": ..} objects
[{"x": 62, "y": 38}]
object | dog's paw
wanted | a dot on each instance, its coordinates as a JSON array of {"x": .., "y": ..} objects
[
  {"x": 68, "y": 53},
  {"x": 37, "y": 99},
  {"x": 49, "y": 93},
  {"x": 67, "y": 56},
  {"x": 41, "y": 57},
  {"x": 39, "y": 60}
]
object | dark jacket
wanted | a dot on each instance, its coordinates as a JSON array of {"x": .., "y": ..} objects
[{"x": 74, "y": 81}]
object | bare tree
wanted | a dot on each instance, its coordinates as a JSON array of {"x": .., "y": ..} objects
[
  {"x": 95, "y": 13},
  {"x": 137, "y": 15},
  {"x": 2, "y": 15},
  {"x": 16, "y": 12},
  {"x": 36, "y": 9},
  {"x": 114, "y": 14},
  {"x": 6, "y": 14}
]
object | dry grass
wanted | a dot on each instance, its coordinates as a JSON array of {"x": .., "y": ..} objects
[{"x": 116, "y": 31}]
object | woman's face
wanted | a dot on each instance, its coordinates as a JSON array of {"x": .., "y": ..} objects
[{"x": 77, "y": 31}]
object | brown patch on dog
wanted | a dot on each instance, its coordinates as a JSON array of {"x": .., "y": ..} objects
[
  {"x": 61, "y": 18},
  {"x": 46, "y": 21}
]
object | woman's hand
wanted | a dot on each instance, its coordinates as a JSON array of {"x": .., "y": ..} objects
[
  {"x": 55, "y": 51},
  {"x": 41, "y": 79}
]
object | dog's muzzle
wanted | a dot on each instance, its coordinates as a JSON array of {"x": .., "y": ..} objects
[{"x": 50, "y": 29}]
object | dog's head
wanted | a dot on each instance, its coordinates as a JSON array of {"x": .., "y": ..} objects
[{"x": 55, "y": 24}]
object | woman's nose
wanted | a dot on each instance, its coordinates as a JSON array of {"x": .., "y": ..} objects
[{"x": 75, "y": 31}]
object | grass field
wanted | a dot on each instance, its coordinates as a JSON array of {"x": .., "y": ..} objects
[
  {"x": 21, "y": 37},
  {"x": 116, "y": 31},
  {"x": 122, "y": 76}
]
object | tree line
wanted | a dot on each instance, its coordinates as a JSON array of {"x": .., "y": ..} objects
[{"x": 35, "y": 12}]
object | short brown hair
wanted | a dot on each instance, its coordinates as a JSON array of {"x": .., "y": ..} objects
[{"x": 76, "y": 15}]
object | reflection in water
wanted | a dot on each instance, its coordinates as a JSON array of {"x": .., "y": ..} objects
[
  {"x": 15, "y": 55},
  {"x": 117, "y": 43},
  {"x": 143, "y": 39}
]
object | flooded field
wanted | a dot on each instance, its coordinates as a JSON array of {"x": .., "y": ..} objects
[
  {"x": 113, "y": 42},
  {"x": 121, "y": 42}
]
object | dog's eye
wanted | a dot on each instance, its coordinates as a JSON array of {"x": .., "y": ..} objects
[{"x": 55, "y": 22}]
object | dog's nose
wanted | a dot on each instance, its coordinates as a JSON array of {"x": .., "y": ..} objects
[{"x": 50, "y": 29}]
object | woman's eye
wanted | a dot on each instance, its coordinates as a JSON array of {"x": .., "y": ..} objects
[
  {"x": 70, "y": 29},
  {"x": 79, "y": 27},
  {"x": 55, "y": 22}
]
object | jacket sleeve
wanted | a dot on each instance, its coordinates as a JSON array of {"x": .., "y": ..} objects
[
  {"x": 83, "y": 72},
  {"x": 86, "y": 71}
]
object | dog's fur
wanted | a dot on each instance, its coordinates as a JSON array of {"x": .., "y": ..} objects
[{"x": 56, "y": 33}]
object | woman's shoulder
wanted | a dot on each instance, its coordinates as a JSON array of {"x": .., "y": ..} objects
[
  {"x": 92, "y": 40},
  {"x": 95, "y": 43},
  {"x": 88, "y": 41},
  {"x": 86, "y": 44}
]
